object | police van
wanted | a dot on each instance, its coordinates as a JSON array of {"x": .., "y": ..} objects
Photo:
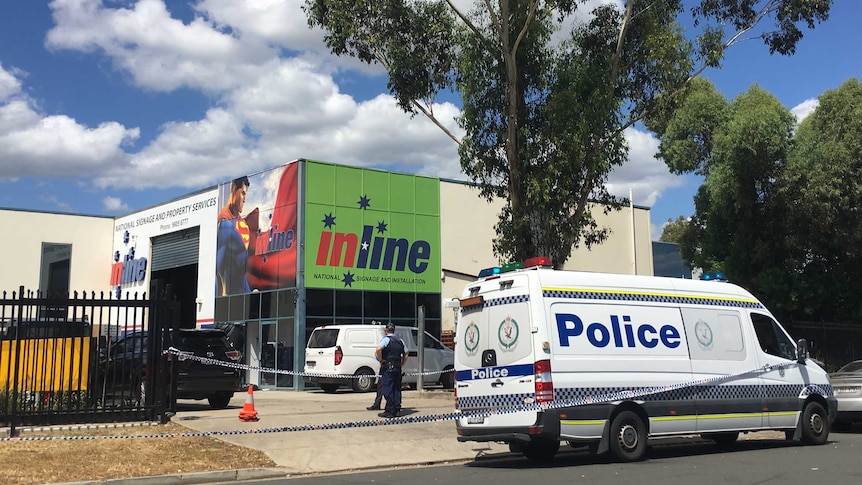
[{"x": 602, "y": 360}]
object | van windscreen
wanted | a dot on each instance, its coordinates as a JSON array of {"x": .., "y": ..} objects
[{"x": 322, "y": 338}]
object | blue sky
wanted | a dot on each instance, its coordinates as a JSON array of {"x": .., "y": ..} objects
[{"x": 111, "y": 106}]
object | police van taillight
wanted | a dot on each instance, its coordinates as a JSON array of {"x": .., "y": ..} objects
[
  {"x": 544, "y": 384},
  {"x": 338, "y": 355}
]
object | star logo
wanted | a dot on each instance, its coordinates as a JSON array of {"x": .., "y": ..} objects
[
  {"x": 348, "y": 279},
  {"x": 328, "y": 221},
  {"x": 381, "y": 227},
  {"x": 364, "y": 202}
]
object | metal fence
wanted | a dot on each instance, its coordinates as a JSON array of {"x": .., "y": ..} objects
[
  {"x": 832, "y": 343},
  {"x": 59, "y": 357}
]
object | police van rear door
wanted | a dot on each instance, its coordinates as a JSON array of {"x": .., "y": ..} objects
[{"x": 494, "y": 351}]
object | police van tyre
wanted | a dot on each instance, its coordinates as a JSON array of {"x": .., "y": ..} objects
[
  {"x": 364, "y": 381},
  {"x": 540, "y": 449},
  {"x": 628, "y": 437},
  {"x": 815, "y": 424}
]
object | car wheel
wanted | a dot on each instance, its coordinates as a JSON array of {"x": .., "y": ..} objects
[
  {"x": 722, "y": 439},
  {"x": 815, "y": 424},
  {"x": 541, "y": 449},
  {"x": 628, "y": 437},
  {"x": 330, "y": 388},
  {"x": 447, "y": 379},
  {"x": 364, "y": 381},
  {"x": 220, "y": 400}
]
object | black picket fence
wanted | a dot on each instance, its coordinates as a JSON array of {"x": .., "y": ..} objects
[
  {"x": 832, "y": 343},
  {"x": 55, "y": 365}
]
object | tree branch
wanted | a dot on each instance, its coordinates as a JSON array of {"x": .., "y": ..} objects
[{"x": 430, "y": 115}]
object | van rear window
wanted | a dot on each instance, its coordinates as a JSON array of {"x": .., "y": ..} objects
[{"x": 323, "y": 338}]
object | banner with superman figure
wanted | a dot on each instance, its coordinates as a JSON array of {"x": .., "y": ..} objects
[{"x": 257, "y": 239}]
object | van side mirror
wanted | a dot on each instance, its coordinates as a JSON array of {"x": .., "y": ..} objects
[{"x": 801, "y": 351}]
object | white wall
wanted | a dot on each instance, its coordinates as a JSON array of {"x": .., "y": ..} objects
[
  {"x": 468, "y": 230},
  {"x": 21, "y": 248},
  {"x": 199, "y": 209}
]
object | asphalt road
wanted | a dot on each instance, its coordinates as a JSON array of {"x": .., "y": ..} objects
[{"x": 673, "y": 461}]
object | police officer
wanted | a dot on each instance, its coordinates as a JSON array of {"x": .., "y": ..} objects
[{"x": 392, "y": 354}]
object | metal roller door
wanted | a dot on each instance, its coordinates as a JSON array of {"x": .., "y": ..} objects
[{"x": 176, "y": 249}]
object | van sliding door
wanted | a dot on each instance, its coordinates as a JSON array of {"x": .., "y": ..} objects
[{"x": 729, "y": 395}]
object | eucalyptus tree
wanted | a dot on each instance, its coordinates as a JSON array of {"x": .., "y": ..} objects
[
  {"x": 548, "y": 87},
  {"x": 822, "y": 185}
]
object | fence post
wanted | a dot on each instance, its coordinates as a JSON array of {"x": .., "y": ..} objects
[{"x": 15, "y": 419}]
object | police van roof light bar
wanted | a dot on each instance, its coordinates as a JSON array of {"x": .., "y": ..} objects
[
  {"x": 489, "y": 272},
  {"x": 540, "y": 261}
]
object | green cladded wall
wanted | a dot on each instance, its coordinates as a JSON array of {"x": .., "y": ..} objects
[{"x": 371, "y": 230}]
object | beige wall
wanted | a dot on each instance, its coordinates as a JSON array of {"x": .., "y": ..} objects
[
  {"x": 21, "y": 248},
  {"x": 467, "y": 229}
]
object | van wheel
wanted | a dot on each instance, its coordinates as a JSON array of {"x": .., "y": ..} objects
[
  {"x": 447, "y": 379},
  {"x": 628, "y": 437},
  {"x": 330, "y": 388},
  {"x": 815, "y": 424},
  {"x": 541, "y": 449},
  {"x": 364, "y": 381},
  {"x": 722, "y": 439}
]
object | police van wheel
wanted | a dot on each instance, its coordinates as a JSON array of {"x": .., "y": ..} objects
[
  {"x": 815, "y": 424},
  {"x": 364, "y": 381},
  {"x": 541, "y": 449},
  {"x": 628, "y": 437}
]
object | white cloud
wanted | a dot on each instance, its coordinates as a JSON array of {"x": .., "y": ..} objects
[
  {"x": 273, "y": 94},
  {"x": 805, "y": 108},
  {"x": 646, "y": 176},
  {"x": 9, "y": 83},
  {"x": 33, "y": 144},
  {"x": 114, "y": 204}
]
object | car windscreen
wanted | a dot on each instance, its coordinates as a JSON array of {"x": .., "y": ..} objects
[
  {"x": 322, "y": 338},
  {"x": 852, "y": 367}
]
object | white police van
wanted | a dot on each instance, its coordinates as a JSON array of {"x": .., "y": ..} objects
[{"x": 545, "y": 356}]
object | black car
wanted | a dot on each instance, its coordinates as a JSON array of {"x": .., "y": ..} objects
[{"x": 125, "y": 365}]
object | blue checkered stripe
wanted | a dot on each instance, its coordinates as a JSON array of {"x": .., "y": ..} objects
[
  {"x": 719, "y": 393},
  {"x": 650, "y": 298},
  {"x": 495, "y": 401},
  {"x": 586, "y": 395},
  {"x": 506, "y": 300}
]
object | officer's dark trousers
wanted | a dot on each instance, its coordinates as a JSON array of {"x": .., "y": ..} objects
[{"x": 391, "y": 382}]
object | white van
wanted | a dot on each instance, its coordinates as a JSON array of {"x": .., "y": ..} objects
[
  {"x": 348, "y": 350},
  {"x": 606, "y": 361}
]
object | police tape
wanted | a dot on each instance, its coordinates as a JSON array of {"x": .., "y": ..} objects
[
  {"x": 617, "y": 396},
  {"x": 269, "y": 370}
]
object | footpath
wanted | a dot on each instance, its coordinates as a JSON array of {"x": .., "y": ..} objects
[{"x": 322, "y": 451}]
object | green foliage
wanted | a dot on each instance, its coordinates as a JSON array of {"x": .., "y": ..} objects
[
  {"x": 674, "y": 230},
  {"x": 544, "y": 119},
  {"x": 822, "y": 187},
  {"x": 779, "y": 209}
]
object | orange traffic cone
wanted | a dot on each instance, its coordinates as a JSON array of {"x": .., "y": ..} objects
[{"x": 248, "y": 413}]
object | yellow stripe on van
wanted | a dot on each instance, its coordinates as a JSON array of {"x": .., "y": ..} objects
[
  {"x": 672, "y": 418},
  {"x": 649, "y": 294},
  {"x": 732, "y": 416},
  {"x": 586, "y": 422},
  {"x": 782, "y": 413}
]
